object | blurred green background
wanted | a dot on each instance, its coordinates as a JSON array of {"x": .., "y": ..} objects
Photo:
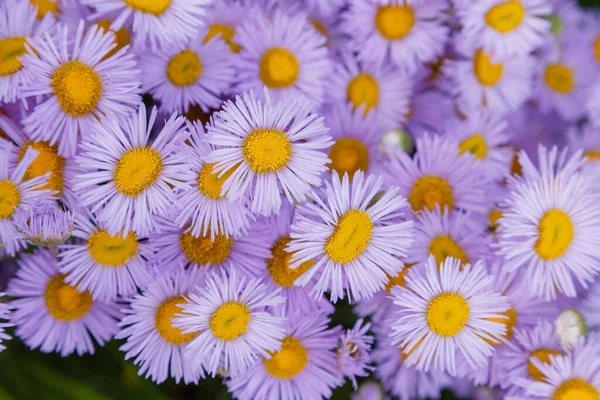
[{"x": 26, "y": 374}]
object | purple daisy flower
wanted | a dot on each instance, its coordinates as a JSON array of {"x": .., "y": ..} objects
[
  {"x": 284, "y": 54},
  {"x": 276, "y": 272},
  {"x": 550, "y": 228},
  {"x": 204, "y": 206},
  {"x": 4, "y": 316},
  {"x": 448, "y": 315},
  {"x": 304, "y": 367},
  {"x": 409, "y": 32},
  {"x": 106, "y": 88},
  {"x": 268, "y": 149},
  {"x": 17, "y": 193},
  {"x": 127, "y": 179},
  {"x": 233, "y": 330},
  {"x": 17, "y": 23},
  {"x": 356, "y": 140},
  {"x": 354, "y": 352},
  {"x": 105, "y": 265},
  {"x": 505, "y": 28},
  {"x": 44, "y": 223},
  {"x": 444, "y": 234},
  {"x": 381, "y": 89},
  {"x": 177, "y": 248},
  {"x": 153, "y": 21},
  {"x": 357, "y": 232},
  {"x": 158, "y": 346},
  {"x": 438, "y": 176},
  {"x": 52, "y": 315},
  {"x": 571, "y": 376},
  {"x": 191, "y": 73}
]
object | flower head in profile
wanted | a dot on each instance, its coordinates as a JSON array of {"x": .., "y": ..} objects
[
  {"x": 79, "y": 85},
  {"x": 44, "y": 223},
  {"x": 357, "y": 232},
  {"x": 268, "y": 150},
  {"x": 231, "y": 327},
  {"x": 52, "y": 315},
  {"x": 4, "y": 316},
  {"x": 354, "y": 352}
]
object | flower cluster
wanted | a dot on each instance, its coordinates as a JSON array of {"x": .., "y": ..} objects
[{"x": 207, "y": 181}]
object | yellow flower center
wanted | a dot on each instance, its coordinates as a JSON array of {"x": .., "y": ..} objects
[
  {"x": 597, "y": 49},
  {"x": 475, "y": 145},
  {"x": 555, "y": 234},
  {"x": 348, "y": 155},
  {"x": 267, "y": 150},
  {"x": 279, "y": 68},
  {"x": 164, "y": 321},
  {"x": 227, "y": 33},
  {"x": 487, "y": 72},
  {"x": 122, "y": 36},
  {"x": 9, "y": 198},
  {"x": 201, "y": 250},
  {"x": 10, "y": 49},
  {"x": 64, "y": 302},
  {"x": 515, "y": 166},
  {"x": 156, "y": 7},
  {"x": 112, "y": 251},
  {"x": 510, "y": 322},
  {"x": 209, "y": 183},
  {"x": 136, "y": 170},
  {"x": 544, "y": 356},
  {"x": 398, "y": 280},
  {"x": 77, "y": 87},
  {"x": 289, "y": 361},
  {"x": 230, "y": 321},
  {"x": 447, "y": 314},
  {"x": 429, "y": 191},
  {"x": 279, "y": 265},
  {"x": 350, "y": 237},
  {"x": 593, "y": 155},
  {"x": 559, "y": 78},
  {"x": 506, "y": 16},
  {"x": 394, "y": 22},
  {"x": 46, "y": 161},
  {"x": 363, "y": 89},
  {"x": 184, "y": 69},
  {"x": 45, "y": 6},
  {"x": 320, "y": 28},
  {"x": 576, "y": 389},
  {"x": 444, "y": 246},
  {"x": 494, "y": 217}
]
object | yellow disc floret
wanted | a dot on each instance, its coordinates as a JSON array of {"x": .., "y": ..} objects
[
  {"x": 487, "y": 72},
  {"x": 227, "y": 33},
  {"x": 64, "y": 302},
  {"x": 267, "y": 150},
  {"x": 155, "y": 7},
  {"x": 184, "y": 68},
  {"x": 209, "y": 183},
  {"x": 122, "y": 36},
  {"x": 289, "y": 361},
  {"x": 429, "y": 191},
  {"x": 279, "y": 265},
  {"x": 202, "y": 250},
  {"x": 505, "y": 16},
  {"x": 474, "y": 144},
  {"x": 544, "y": 356},
  {"x": 350, "y": 237},
  {"x": 164, "y": 321},
  {"x": 348, "y": 155},
  {"x": 46, "y": 161},
  {"x": 136, "y": 170},
  {"x": 230, "y": 321},
  {"x": 363, "y": 89},
  {"x": 447, "y": 314},
  {"x": 444, "y": 246},
  {"x": 46, "y": 6},
  {"x": 394, "y": 22},
  {"x": 555, "y": 233},
  {"x": 9, "y": 198},
  {"x": 10, "y": 50},
  {"x": 576, "y": 389},
  {"x": 77, "y": 87},
  {"x": 559, "y": 78},
  {"x": 112, "y": 251},
  {"x": 279, "y": 68}
]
